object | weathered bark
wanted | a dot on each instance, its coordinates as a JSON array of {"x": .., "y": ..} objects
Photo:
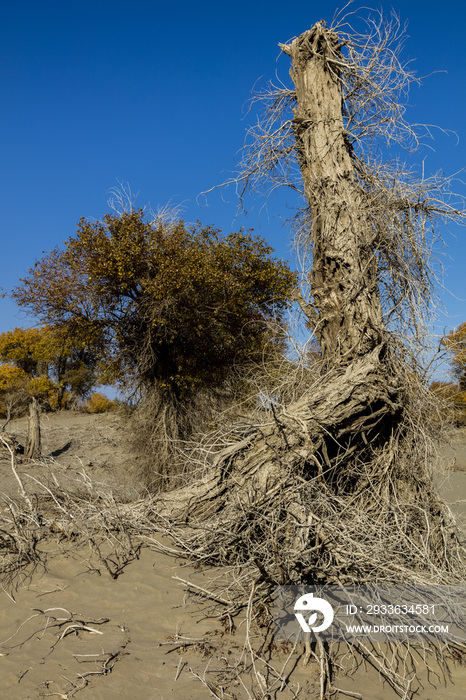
[
  {"x": 33, "y": 446},
  {"x": 359, "y": 399},
  {"x": 348, "y": 313},
  {"x": 336, "y": 487}
]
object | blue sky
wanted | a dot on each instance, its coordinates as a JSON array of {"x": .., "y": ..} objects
[{"x": 155, "y": 95}]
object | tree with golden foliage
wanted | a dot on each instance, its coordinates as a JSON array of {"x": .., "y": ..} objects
[
  {"x": 174, "y": 306},
  {"x": 51, "y": 362},
  {"x": 176, "y": 310},
  {"x": 455, "y": 342},
  {"x": 13, "y": 393}
]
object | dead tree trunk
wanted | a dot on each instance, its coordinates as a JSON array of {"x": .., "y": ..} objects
[
  {"x": 336, "y": 487},
  {"x": 33, "y": 446},
  {"x": 347, "y": 311},
  {"x": 360, "y": 398}
]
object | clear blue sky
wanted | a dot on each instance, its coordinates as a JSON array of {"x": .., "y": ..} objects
[{"x": 154, "y": 94}]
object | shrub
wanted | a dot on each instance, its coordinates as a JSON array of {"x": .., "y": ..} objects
[{"x": 99, "y": 403}]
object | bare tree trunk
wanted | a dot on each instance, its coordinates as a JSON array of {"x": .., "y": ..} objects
[
  {"x": 360, "y": 399},
  {"x": 347, "y": 310},
  {"x": 353, "y": 411},
  {"x": 33, "y": 446},
  {"x": 336, "y": 487},
  {"x": 345, "y": 468}
]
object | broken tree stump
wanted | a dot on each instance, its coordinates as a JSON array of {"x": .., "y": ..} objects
[{"x": 33, "y": 445}]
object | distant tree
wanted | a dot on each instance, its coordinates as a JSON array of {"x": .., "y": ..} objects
[
  {"x": 52, "y": 360},
  {"x": 455, "y": 342},
  {"x": 13, "y": 392},
  {"x": 73, "y": 361},
  {"x": 23, "y": 347},
  {"x": 11, "y": 377},
  {"x": 99, "y": 403}
]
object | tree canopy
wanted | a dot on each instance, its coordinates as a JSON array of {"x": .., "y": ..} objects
[
  {"x": 171, "y": 305},
  {"x": 47, "y": 363}
]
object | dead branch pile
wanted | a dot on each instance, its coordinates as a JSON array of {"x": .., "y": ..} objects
[
  {"x": 75, "y": 512},
  {"x": 300, "y": 508},
  {"x": 347, "y": 515},
  {"x": 371, "y": 525}
]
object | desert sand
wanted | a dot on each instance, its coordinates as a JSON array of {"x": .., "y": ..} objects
[{"x": 67, "y": 628}]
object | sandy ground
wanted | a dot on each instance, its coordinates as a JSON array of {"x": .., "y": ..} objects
[
  {"x": 452, "y": 479},
  {"x": 69, "y": 620}
]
